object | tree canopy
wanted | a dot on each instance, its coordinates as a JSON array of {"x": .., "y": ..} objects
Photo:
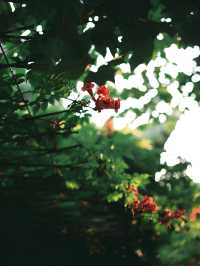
[{"x": 92, "y": 191}]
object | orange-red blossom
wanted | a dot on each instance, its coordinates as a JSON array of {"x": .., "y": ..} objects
[{"x": 104, "y": 100}]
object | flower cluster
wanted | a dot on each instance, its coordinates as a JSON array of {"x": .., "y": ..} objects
[
  {"x": 169, "y": 215},
  {"x": 147, "y": 204},
  {"x": 104, "y": 100}
]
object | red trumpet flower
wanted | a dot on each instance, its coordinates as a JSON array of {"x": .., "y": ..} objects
[
  {"x": 104, "y": 101},
  {"x": 148, "y": 204}
]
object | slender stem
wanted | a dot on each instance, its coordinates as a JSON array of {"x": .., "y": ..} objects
[
  {"x": 52, "y": 113},
  {"x": 14, "y": 78},
  {"x": 6, "y": 36},
  {"x": 16, "y": 65},
  {"x": 20, "y": 28},
  {"x": 48, "y": 114}
]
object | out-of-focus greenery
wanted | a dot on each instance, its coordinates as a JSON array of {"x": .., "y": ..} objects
[{"x": 72, "y": 177}]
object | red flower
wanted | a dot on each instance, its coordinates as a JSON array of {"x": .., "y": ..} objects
[
  {"x": 103, "y": 90},
  {"x": 194, "y": 213},
  {"x": 102, "y": 102},
  {"x": 169, "y": 215},
  {"x": 178, "y": 213},
  {"x": 148, "y": 204},
  {"x": 106, "y": 102},
  {"x": 88, "y": 87}
]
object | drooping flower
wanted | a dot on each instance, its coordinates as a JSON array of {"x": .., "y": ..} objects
[
  {"x": 148, "y": 204},
  {"x": 89, "y": 88},
  {"x": 106, "y": 102},
  {"x": 102, "y": 102},
  {"x": 178, "y": 213},
  {"x": 169, "y": 215}
]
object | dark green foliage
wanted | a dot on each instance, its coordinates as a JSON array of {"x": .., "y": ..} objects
[{"x": 57, "y": 171}]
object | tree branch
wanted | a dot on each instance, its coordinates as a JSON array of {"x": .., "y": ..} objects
[{"x": 44, "y": 165}]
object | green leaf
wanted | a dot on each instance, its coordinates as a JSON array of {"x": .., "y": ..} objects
[{"x": 114, "y": 197}]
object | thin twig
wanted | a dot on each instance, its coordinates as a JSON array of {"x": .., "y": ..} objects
[
  {"x": 14, "y": 78},
  {"x": 20, "y": 28}
]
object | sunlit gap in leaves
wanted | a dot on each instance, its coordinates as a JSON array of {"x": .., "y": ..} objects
[
  {"x": 25, "y": 33},
  {"x": 161, "y": 71},
  {"x": 184, "y": 143},
  {"x": 39, "y": 29},
  {"x": 176, "y": 61},
  {"x": 12, "y": 6}
]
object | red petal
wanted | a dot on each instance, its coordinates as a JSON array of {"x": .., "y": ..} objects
[
  {"x": 88, "y": 86},
  {"x": 103, "y": 90}
]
